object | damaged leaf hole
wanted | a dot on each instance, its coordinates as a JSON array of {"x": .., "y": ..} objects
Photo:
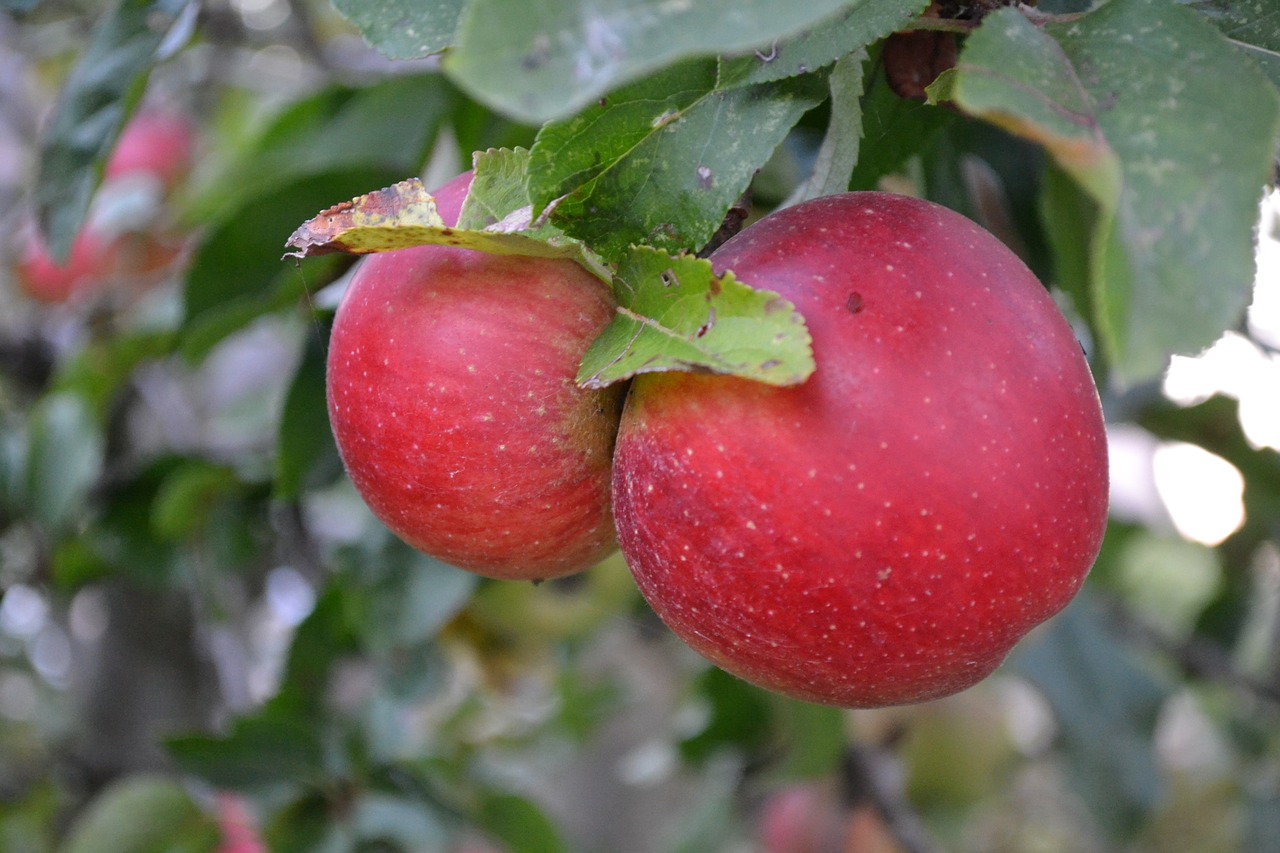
[{"x": 706, "y": 327}]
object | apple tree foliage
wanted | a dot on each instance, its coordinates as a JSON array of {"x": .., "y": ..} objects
[{"x": 200, "y": 620}]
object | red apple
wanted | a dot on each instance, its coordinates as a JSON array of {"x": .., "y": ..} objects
[
  {"x": 452, "y": 399},
  {"x": 155, "y": 143},
  {"x": 92, "y": 260},
  {"x": 799, "y": 818},
  {"x": 237, "y": 826},
  {"x": 887, "y": 531}
]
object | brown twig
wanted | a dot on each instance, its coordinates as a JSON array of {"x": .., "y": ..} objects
[{"x": 873, "y": 774}]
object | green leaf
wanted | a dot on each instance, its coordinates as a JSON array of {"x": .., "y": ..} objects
[
  {"x": 857, "y": 27},
  {"x": 1138, "y": 101},
  {"x": 838, "y": 155},
  {"x": 305, "y": 825},
  {"x": 815, "y": 735},
  {"x": 1247, "y": 22},
  {"x": 741, "y": 717},
  {"x": 338, "y": 129},
  {"x": 576, "y": 152},
  {"x": 1106, "y": 704},
  {"x": 323, "y": 638},
  {"x": 412, "y": 600},
  {"x": 662, "y": 161},
  {"x": 675, "y": 313},
  {"x": 894, "y": 129},
  {"x": 1268, "y": 62},
  {"x": 185, "y": 498},
  {"x": 1252, "y": 25},
  {"x": 259, "y": 751},
  {"x": 400, "y": 822},
  {"x": 547, "y": 59},
  {"x": 96, "y": 101},
  {"x": 64, "y": 459},
  {"x": 1070, "y": 218},
  {"x": 518, "y": 823},
  {"x": 98, "y": 373},
  {"x": 498, "y": 188},
  {"x": 236, "y": 273},
  {"x": 279, "y": 292},
  {"x": 404, "y": 29},
  {"x": 122, "y": 540},
  {"x": 306, "y": 455},
  {"x": 140, "y": 814}
]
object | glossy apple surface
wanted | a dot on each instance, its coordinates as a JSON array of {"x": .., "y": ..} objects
[
  {"x": 452, "y": 399},
  {"x": 886, "y": 532}
]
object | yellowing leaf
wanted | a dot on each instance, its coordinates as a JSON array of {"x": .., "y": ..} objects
[
  {"x": 400, "y": 216},
  {"x": 404, "y": 215}
]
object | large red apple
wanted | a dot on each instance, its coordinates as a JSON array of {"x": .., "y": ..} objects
[
  {"x": 885, "y": 532},
  {"x": 452, "y": 399}
]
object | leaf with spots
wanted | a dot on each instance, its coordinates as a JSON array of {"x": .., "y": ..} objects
[
  {"x": 397, "y": 217},
  {"x": 495, "y": 218},
  {"x": 661, "y": 161},
  {"x": 1252, "y": 25},
  {"x": 858, "y": 27},
  {"x": 1139, "y": 102},
  {"x": 675, "y": 313},
  {"x": 404, "y": 29},
  {"x": 539, "y": 60}
]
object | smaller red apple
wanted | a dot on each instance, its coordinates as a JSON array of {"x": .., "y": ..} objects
[
  {"x": 453, "y": 403},
  {"x": 237, "y": 826}
]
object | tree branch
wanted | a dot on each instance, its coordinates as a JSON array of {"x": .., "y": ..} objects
[{"x": 873, "y": 774}]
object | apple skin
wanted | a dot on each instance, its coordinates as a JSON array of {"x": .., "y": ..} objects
[
  {"x": 452, "y": 399},
  {"x": 887, "y": 531}
]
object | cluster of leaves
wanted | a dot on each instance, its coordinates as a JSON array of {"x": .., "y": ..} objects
[
  {"x": 1125, "y": 145},
  {"x": 1116, "y": 99},
  {"x": 647, "y": 140}
]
